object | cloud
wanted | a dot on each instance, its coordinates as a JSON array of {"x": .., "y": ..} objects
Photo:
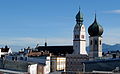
[
  {"x": 111, "y": 40},
  {"x": 111, "y": 36},
  {"x": 113, "y": 11}
]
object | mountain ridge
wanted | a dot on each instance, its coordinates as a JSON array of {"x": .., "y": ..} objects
[
  {"x": 108, "y": 47},
  {"x": 105, "y": 47}
]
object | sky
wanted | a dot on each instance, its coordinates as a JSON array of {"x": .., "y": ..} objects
[{"x": 30, "y": 22}]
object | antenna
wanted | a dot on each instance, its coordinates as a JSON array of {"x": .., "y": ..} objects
[{"x": 45, "y": 41}]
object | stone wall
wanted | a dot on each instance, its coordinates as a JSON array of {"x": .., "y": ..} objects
[{"x": 74, "y": 62}]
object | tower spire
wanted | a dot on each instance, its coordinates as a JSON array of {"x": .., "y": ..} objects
[
  {"x": 95, "y": 17},
  {"x": 45, "y": 42},
  {"x": 79, "y": 8},
  {"x": 79, "y": 17}
]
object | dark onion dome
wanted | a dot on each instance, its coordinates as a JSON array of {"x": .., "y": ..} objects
[
  {"x": 95, "y": 29},
  {"x": 79, "y": 17}
]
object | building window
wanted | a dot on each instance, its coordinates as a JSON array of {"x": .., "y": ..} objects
[
  {"x": 100, "y": 42},
  {"x": 91, "y": 42},
  {"x": 12, "y": 58},
  {"x": 15, "y": 58},
  {"x": 76, "y": 36},
  {"x": 25, "y": 58},
  {"x": 82, "y": 27},
  {"x": 96, "y": 42},
  {"x": 21, "y": 58}
]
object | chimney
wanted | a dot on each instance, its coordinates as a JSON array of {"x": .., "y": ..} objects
[{"x": 45, "y": 44}]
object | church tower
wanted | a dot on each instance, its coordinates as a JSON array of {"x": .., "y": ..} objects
[
  {"x": 79, "y": 36},
  {"x": 95, "y": 39}
]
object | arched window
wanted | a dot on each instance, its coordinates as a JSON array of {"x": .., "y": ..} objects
[
  {"x": 96, "y": 42},
  {"x": 100, "y": 42},
  {"x": 77, "y": 36},
  {"x": 21, "y": 58},
  {"x": 12, "y": 58},
  {"x": 90, "y": 42}
]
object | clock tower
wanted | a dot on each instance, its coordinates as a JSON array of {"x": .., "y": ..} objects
[{"x": 79, "y": 36}]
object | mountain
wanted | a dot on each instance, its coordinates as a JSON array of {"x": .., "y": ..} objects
[{"x": 107, "y": 47}]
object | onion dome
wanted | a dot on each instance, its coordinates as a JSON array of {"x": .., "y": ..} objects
[
  {"x": 79, "y": 17},
  {"x": 95, "y": 29}
]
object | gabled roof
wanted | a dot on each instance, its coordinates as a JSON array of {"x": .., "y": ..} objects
[{"x": 6, "y": 49}]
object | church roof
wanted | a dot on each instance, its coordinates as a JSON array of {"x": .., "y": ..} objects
[
  {"x": 95, "y": 29},
  {"x": 56, "y": 50},
  {"x": 79, "y": 17},
  {"x": 6, "y": 49}
]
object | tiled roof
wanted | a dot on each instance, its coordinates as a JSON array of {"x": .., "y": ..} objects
[
  {"x": 56, "y": 49},
  {"x": 6, "y": 49}
]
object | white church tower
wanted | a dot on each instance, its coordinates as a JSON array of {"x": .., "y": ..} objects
[{"x": 79, "y": 37}]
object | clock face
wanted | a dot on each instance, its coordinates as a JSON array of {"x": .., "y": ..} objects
[
  {"x": 82, "y": 27},
  {"x": 82, "y": 36}
]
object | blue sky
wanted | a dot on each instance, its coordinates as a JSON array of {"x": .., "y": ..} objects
[{"x": 28, "y": 22}]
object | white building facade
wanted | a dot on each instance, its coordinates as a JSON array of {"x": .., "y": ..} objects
[
  {"x": 5, "y": 51},
  {"x": 58, "y": 63}
]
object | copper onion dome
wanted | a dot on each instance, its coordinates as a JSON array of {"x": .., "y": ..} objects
[
  {"x": 95, "y": 29},
  {"x": 79, "y": 17}
]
